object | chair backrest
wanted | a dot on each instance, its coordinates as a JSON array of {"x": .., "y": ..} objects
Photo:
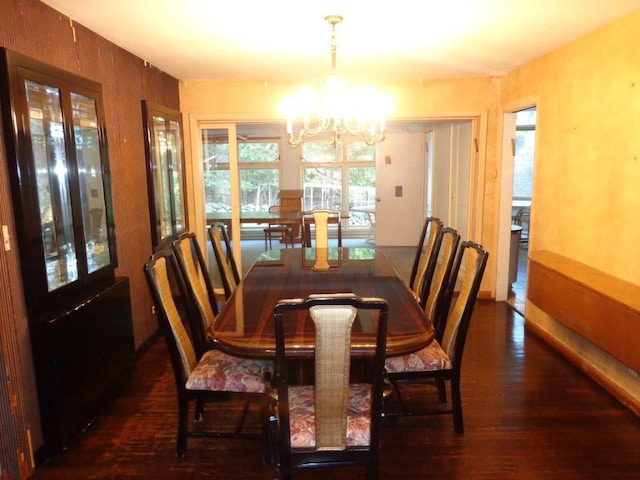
[
  {"x": 181, "y": 351},
  {"x": 333, "y": 316},
  {"x": 320, "y": 220},
  {"x": 436, "y": 294},
  {"x": 467, "y": 275},
  {"x": 424, "y": 261},
  {"x": 224, "y": 257},
  {"x": 199, "y": 290}
]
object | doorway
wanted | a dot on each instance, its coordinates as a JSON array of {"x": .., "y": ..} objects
[{"x": 523, "y": 159}]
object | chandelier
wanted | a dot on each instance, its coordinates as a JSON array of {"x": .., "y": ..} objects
[{"x": 336, "y": 109}]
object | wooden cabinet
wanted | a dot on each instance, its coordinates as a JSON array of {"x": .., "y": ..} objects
[
  {"x": 83, "y": 354},
  {"x": 79, "y": 312}
]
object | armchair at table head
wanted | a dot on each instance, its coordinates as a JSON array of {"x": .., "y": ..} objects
[
  {"x": 224, "y": 257},
  {"x": 333, "y": 422},
  {"x": 197, "y": 378},
  {"x": 443, "y": 361}
]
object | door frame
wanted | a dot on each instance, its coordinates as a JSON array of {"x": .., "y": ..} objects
[
  {"x": 195, "y": 189},
  {"x": 506, "y": 194}
]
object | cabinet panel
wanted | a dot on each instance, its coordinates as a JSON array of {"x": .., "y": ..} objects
[{"x": 83, "y": 356}]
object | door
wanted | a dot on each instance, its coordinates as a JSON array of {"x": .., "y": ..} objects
[
  {"x": 216, "y": 179},
  {"x": 400, "y": 188},
  {"x": 451, "y": 174}
]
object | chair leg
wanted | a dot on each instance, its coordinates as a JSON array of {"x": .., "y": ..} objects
[
  {"x": 199, "y": 410},
  {"x": 183, "y": 414},
  {"x": 265, "y": 240},
  {"x": 270, "y": 433},
  {"x": 396, "y": 390},
  {"x": 442, "y": 390},
  {"x": 456, "y": 404},
  {"x": 372, "y": 470}
]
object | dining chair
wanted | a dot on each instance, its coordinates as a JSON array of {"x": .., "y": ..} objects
[
  {"x": 442, "y": 360},
  {"x": 199, "y": 293},
  {"x": 435, "y": 292},
  {"x": 335, "y": 421},
  {"x": 213, "y": 376},
  {"x": 282, "y": 231},
  {"x": 320, "y": 220},
  {"x": 224, "y": 258},
  {"x": 424, "y": 261}
]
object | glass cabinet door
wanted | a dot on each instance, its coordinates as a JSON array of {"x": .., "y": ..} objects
[
  {"x": 89, "y": 167},
  {"x": 59, "y": 170},
  {"x": 165, "y": 172},
  {"x": 52, "y": 179}
]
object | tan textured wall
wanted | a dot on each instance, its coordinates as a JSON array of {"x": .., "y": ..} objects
[
  {"x": 587, "y": 176},
  {"x": 587, "y": 166}
]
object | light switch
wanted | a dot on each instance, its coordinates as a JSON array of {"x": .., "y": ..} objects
[{"x": 5, "y": 238}]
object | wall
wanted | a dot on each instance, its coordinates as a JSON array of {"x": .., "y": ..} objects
[
  {"x": 587, "y": 166},
  {"x": 36, "y": 30}
]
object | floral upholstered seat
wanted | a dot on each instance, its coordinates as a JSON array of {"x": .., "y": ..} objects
[
  {"x": 430, "y": 358},
  {"x": 218, "y": 371},
  {"x": 303, "y": 420}
]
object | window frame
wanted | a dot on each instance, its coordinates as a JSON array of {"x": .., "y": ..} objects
[{"x": 343, "y": 162}]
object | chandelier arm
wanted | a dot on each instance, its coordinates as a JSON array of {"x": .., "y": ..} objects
[{"x": 332, "y": 111}]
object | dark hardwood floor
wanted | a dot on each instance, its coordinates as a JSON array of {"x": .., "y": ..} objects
[{"x": 529, "y": 414}]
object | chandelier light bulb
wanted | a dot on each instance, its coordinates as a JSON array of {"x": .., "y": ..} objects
[{"x": 336, "y": 108}]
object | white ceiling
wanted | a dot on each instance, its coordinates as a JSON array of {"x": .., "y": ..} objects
[{"x": 289, "y": 40}]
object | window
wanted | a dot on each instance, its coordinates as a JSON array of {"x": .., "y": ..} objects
[
  {"x": 328, "y": 171},
  {"x": 259, "y": 165},
  {"x": 524, "y": 154}
]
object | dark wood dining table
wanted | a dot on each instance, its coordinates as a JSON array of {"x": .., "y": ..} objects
[{"x": 245, "y": 325}]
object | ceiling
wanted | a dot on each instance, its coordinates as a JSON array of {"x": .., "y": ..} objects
[{"x": 288, "y": 40}]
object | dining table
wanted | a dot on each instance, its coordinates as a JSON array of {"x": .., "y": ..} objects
[{"x": 245, "y": 325}]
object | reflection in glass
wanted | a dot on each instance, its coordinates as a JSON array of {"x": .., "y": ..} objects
[
  {"x": 322, "y": 259},
  {"x": 85, "y": 129},
  {"x": 174, "y": 142},
  {"x": 162, "y": 177},
  {"x": 165, "y": 172},
  {"x": 361, "y": 253},
  {"x": 51, "y": 170}
]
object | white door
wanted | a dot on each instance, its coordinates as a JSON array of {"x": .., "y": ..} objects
[
  {"x": 400, "y": 188},
  {"x": 451, "y": 174}
]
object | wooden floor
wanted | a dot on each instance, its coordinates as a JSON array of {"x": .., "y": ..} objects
[{"x": 528, "y": 415}]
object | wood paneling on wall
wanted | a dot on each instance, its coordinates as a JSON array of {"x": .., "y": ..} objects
[{"x": 603, "y": 309}]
